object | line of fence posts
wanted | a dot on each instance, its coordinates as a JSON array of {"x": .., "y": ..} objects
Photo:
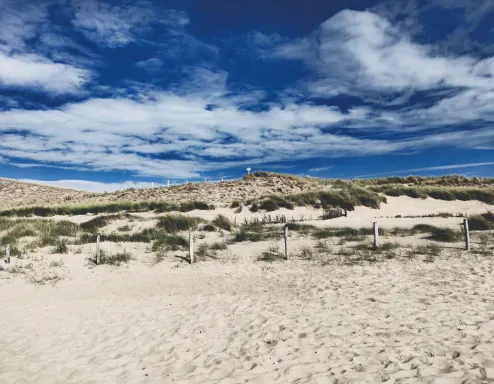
[{"x": 191, "y": 242}]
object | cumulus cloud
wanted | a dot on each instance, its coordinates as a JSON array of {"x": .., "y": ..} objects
[{"x": 34, "y": 71}]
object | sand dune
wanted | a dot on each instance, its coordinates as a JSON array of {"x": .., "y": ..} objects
[{"x": 239, "y": 320}]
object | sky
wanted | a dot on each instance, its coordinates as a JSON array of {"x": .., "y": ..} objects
[{"x": 101, "y": 95}]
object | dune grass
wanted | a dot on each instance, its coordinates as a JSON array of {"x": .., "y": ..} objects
[
  {"x": 173, "y": 223},
  {"x": 99, "y": 222},
  {"x": 485, "y": 195},
  {"x": 223, "y": 222},
  {"x": 69, "y": 210},
  {"x": 482, "y": 222},
  {"x": 114, "y": 259},
  {"x": 273, "y": 253}
]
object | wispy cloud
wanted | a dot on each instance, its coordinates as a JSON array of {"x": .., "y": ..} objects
[
  {"x": 151, "y": 65},
  {"x": 435, "y": 168},
  {"x": 112, "y": 25},
  {"x": 94, "y": 186},
  {"x": 320, "y": 169}
]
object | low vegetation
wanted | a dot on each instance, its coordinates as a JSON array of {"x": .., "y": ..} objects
[
  {"x": 61, "y": 247},
  {"x": 273, "y": 253},
  {"x": 485, "y": 195},
  {"x": 483, "y": 222},
  {"x": 223, "y": 222},
  {"x": 142, "y": 206},
  {"x": 114, "y": 259},
  {"x": 346, "y": 198},
  {"x": 173, "y": 223}
]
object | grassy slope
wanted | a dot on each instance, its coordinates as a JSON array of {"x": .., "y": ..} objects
[{"x": 268, "y": 190}]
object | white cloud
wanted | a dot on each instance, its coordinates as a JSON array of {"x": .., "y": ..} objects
[
  {"x": 320, "y": 169},
  {"x": 151, "y": 65},
  {"x": 363, "y": 52},
  {"x": 119, "y": 25},
  {"x": 435, "y": 168},
  {"x": 94, "y": 186},
  {"x": 19, "y": 22},
  {"x": 34, "y": 71}
]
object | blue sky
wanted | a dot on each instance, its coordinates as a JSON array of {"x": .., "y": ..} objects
[{"x": 99, "y": 95}]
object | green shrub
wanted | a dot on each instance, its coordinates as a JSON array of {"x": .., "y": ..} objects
[
  {"x": 254, "y": 207},
  {"x": 219, "y": 246},
  {"x": 235, "y": 204},
  {"x": 301, "y": 228},
  {"x": 142, "y": 206},
  {"x": 424, "y": 228},
  {"x": 60, "y": 247},
  {"x": 223, "y": 222},
  {"x": 273, "y": 253},
  {"x": 209, "y": 228},
  {"x": 98, "y": 222},
  {"x": 483, "y": 222},
  {"x": 116, "y": 259},
  {"x": 269, "y": 205},
  {"x": 243, "y": 235},
  {"x": 429, "y": 249},
  {"x": 388, "y": 246},
  {"x": 170, "y": 242},
  {"x": 204, "y": 252},
  {"x": 173, "y": 223},
  {"x": 446, "y": 235},
  {"x": 306, "y": 253}
]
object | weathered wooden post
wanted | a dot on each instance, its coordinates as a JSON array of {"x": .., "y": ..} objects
[
  {"x": 7, "y": 254},
  {"x": 376, "y": 234},
  {"x": 191, "y": 247},
  {"x": 98, "y": 253},
  {"x": 286, "y": 242},
  {"x": 467, "y": 234}
]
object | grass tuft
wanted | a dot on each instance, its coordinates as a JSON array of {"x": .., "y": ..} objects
[
  {"x": 223, "y": 222},
  {"x": 173, "y": 223}
]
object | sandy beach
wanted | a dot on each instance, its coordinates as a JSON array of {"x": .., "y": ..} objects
[{"x": 280, "y": 323}]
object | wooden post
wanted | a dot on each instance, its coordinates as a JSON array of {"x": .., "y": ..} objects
[
  {"x": 98, "y": 253},
  {"x": 286, "y": 242},
  {"x": 191, "y": 247},
  {"x": 7, "y": 254},
  {"x": 467, "y": 234},
  {"x": 376, "y": 234}
]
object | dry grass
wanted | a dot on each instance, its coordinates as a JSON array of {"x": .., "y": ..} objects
[{"x": 266, "y": 191}]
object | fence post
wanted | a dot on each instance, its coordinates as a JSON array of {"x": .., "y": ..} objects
[
  {"x": 98, "y": 253},
  {"x": 286, "y": 242},
  {"x": 191, "y": 247},
  {"x": 376, "y": 234},
  {"x": 467, "y": 234},
  {"x": 7, "y": 254}
]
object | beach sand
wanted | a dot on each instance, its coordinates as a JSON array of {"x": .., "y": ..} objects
[
  {"x": 285, "y": 322},
  {"x": 239, "y": 320}
]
